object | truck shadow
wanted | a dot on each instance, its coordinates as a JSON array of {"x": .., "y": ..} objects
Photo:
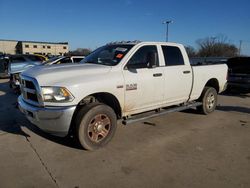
[
  {"x": 240, "y": 109},
  {"x": 191, "y": 111},
  {"x": 12, "y": 121},
  {"x": 65, "y": 141}
]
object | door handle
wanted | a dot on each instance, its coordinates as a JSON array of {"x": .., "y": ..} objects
[
  {"x": 186, "y": 72},
  {"x": 157, "y": 74}
]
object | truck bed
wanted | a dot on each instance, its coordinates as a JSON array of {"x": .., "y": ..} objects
[{"x": 201, "y": 74}]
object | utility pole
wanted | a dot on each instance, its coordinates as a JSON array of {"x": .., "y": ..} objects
[
  {"x": 167, "y": 22},
  {"x": 240, "y": 47}
]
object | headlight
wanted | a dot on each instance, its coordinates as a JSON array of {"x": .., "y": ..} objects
[{"x": 56, "y": 94}]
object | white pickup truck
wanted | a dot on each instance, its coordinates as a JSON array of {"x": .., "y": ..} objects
[{"x": 117, "y": 82}]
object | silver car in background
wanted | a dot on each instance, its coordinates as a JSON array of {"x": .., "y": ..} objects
[
  {"x": 19, "y": 63},
  {"x": 16, "y": 68}
]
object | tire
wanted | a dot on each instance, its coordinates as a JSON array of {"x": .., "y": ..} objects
[
  {"x": 209, "y": 100},
  {"x": 95, "y": 125}
]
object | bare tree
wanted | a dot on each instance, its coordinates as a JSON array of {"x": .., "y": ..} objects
[
  {"x": 80, "y": 52},
  {"x": 218, "y": 46},
  {"x": 191, "y": 51}
]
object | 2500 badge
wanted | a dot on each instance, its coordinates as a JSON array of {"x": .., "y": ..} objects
[{"x": 131, "y": 87}]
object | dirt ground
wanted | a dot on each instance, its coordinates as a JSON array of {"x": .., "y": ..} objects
[{"x": 182, "y": 149}]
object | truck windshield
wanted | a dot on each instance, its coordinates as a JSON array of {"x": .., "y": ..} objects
[{"x": 109, "y": 55}]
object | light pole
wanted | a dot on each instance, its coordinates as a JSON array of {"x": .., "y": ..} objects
[
  {"x": 167, "y": 22},
  {"x": 240, "y": 47}
]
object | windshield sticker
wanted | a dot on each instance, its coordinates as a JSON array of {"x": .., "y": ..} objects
[
  {"x": 121, "y": 49},
  {"x": 119, "y": 56}
]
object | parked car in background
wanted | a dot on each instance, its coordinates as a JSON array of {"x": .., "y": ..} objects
[
  {"x": 26, "y": 57},
  {"x": 239, "y": 73},
  {"x": 20, "y": 63},
  {"x": 207, "y": 60},
  {"x": 17, "y": 67},
  {"x": 63, "y": 59},
  {"x": 3, "y": 67}
]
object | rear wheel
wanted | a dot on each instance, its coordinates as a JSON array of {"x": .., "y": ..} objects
[
  {"x": 96, "y": 124},
  {"x": 209, "y": 100}
]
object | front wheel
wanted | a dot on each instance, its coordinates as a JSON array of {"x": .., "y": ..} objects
[
  {"x": 96, "y": 125},
  {"x": 209, "y": 100}
]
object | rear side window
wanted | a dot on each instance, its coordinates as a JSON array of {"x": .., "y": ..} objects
[{"x": 172, "y": 56}]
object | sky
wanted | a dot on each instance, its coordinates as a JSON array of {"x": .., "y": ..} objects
[{"x": 92, "y": 23}]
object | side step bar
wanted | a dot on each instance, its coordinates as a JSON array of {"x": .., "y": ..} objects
[{"x": 142, "y": 117}]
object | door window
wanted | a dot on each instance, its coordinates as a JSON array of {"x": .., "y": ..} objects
[{"x": 141, "y": 58}]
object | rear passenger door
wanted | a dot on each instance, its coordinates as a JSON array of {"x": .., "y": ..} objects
[{"x": 177, "y": 74}]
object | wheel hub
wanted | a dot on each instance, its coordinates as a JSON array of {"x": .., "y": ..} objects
[
  {"x": 210, "y": 101},
  {"x": 99, "y": 127}
]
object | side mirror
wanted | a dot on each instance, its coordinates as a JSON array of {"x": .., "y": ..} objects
[{"x": 151, "y": 59}]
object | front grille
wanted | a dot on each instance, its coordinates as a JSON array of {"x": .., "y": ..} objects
[{"x": 29, "y": 91}]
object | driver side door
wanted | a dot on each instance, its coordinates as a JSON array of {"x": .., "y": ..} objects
[{"x": 144, "y": 86}]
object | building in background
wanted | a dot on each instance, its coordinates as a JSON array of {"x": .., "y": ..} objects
[
  {"x": 33, "y": 47},
  {"x": 8, "y": 46}
]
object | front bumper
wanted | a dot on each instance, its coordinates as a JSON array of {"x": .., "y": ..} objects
[{"x": 53, "y": 120}]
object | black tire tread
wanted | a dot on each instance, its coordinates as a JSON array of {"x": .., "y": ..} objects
[
  {"x": 202, "y": 109},
  {"x": 90, "y": 108}
]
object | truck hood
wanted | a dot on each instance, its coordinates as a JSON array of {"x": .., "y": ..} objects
[
  {"x": 65, "y": 73},
  {"x": 20, "y": 67}
]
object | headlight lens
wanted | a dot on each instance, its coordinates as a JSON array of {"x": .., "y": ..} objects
[{"x": 56, "y": 94}]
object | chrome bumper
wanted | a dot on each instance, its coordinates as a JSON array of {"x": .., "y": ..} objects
[{"x": 54, "y": 120}]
